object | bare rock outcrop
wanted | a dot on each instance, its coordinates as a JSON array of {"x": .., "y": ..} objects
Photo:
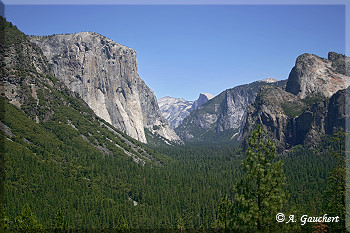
[
  {"x": 313, "y": 75},
  {"x": 312, "y": 105},
  {"x": 175, "y": 109},
  {"x": 104, "y": 74},
  {"x": 222, "y": 118}
]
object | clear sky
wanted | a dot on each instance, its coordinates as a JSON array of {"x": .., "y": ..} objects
[{"x": 184, "y": 50}]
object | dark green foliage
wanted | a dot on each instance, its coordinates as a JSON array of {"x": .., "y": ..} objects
[
  {"x": 307, "y": 173},
  {"x": 122, "y": 225},
  {"x": 180, "y": 225},
  {"x": 60, "y": 223},
  {"x": 4, "y": 220},
  {"x": 10, "y": 33},
  {"x": 49, "y": 163},
  {"x": 226, "y": 215},
  {"x": 52, "y": 78},
  {"x": 340, "y": 63},
  {"x": 26, "y": 221},
  {"x": 94, "y": 189},
  {"x": 156, "y": 139},
  {"x": 310, "y": 100},
  {"x": 336, "y": 185},
  {"x": 260, "y": 196},
  {"x": 210, "y": 137},
  {"x": 293, "y": 109}
]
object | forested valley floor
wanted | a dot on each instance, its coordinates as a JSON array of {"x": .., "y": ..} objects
[{"x": 72, "y": 186}]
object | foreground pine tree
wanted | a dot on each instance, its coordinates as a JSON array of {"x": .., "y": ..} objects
[{"x": 260, "y": 195}]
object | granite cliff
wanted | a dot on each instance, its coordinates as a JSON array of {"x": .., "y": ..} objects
[
  {"x": 221, "y": 119},
  {"x": 39, "y": 112},
  {"x": 311, "y": 106},
  {"x": 104, "y": 74},
  {"x": 313, "y": 75}
]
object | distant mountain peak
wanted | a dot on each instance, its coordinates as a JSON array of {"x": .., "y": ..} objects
[
  {"x": 202, "y": 99},
  {"x": 174, "y": 109},
  {"x": 208, "y": 95},
  {"x": 269, "y": 80}
]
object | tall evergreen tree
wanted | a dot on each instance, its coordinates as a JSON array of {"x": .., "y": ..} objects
[
  {"x": 260, "y": 195},
  {"x": 27, "y": 221}
]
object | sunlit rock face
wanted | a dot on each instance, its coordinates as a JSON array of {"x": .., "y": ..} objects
[
  {"x": 312, "y": 105},
  {"x": 222, "y": 117},
  {"x": 104, "y": 74},
  {"x": 313, "y": 75},
  {"x": 175, "y": 109}
]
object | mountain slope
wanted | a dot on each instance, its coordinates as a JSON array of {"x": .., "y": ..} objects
[
  {"x": 104, "y": 74},
  {"x": 30, "y": 85},
  {"x": 59, "y": 156},
  {"x": 221, "y": 118}
]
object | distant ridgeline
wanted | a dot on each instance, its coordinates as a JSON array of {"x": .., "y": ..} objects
[
  {"x": 300, "y": 110},
  {"x": 175, "y": 110}
]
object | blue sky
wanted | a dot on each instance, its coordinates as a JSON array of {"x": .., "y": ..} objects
[{"x": 183, "y": 50}]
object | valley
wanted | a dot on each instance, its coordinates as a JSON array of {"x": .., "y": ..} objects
[{"x": 87, "y": 146}]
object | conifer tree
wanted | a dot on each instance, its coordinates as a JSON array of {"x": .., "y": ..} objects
[
  {"x": 260, "y": 195},
  {"x": 27, "y": 221}
]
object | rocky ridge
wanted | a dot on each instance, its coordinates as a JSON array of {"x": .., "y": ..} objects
[
  {"x": 221, "y": 118},
  {"x": 313, "y": 75},
  {"x": 177, "y": 109},
  {"x": 104, "y": 74},
  {"x": 311, "y": 106}
]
